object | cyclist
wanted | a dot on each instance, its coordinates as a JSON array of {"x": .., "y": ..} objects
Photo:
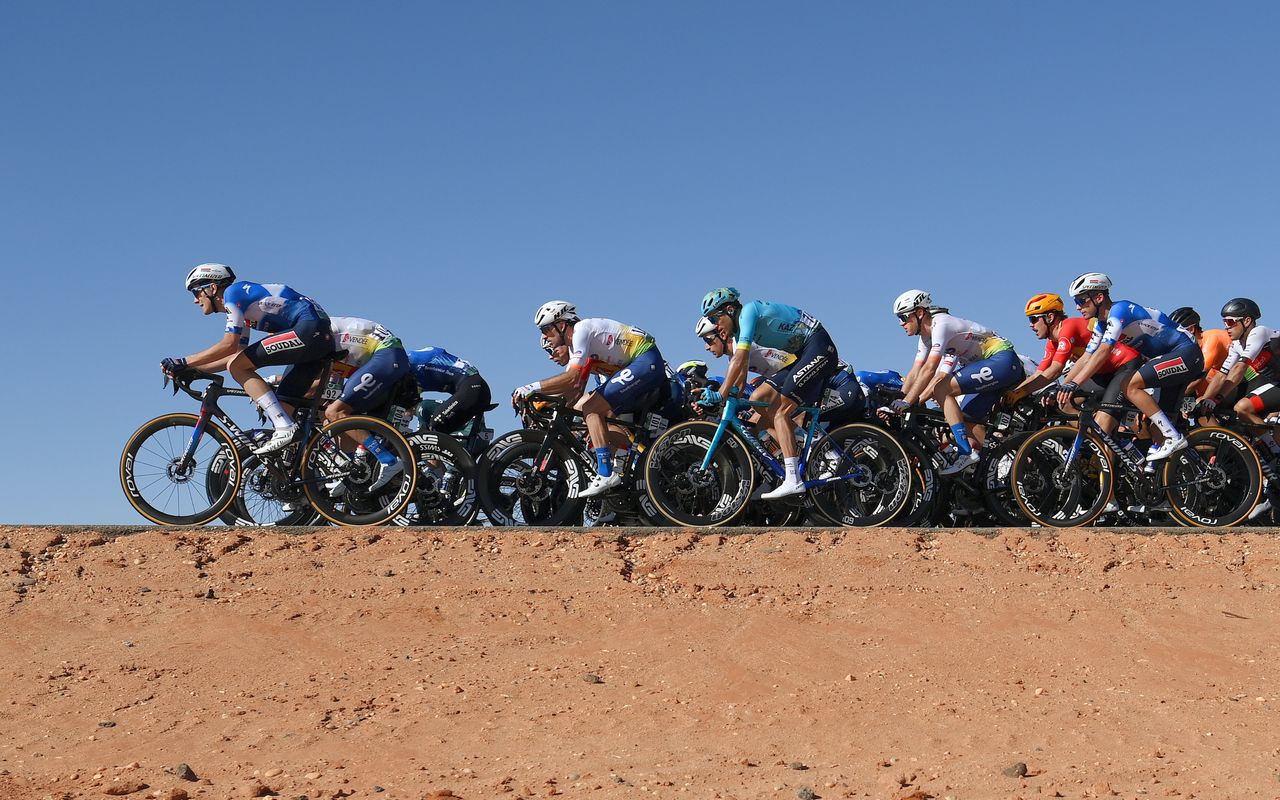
[
  {"x": 373, "y": 361},
  {"x": 1065, "y": 340},
  {"x": 877, "y": 384},
  {"x": 780, "y": 327},
  {"x": 300, "y": 336},
  {"x": 1214, "y": 344},
  {"x": 955, "y": 356},
  {"x": 630, "y": 355},
  {"x": 843, "y": 400},
  {"x": 1252, "y": 361},
  {"x": 1173, "y": 359},
  {"x": 438, "y": 370}
]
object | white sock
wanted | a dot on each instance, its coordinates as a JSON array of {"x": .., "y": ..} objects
[
  {"x": 1162, "y": 422},
  {"x": 270, "y": 405},
  {"x": 791, "y": 465}
]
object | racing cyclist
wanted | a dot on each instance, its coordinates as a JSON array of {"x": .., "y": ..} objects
[
  {"x": 300, "y": 335},
  {"x": 1173, "y": 359},
  {"x": 1065, "y": 340},
  {"x": 1252, "y": 361},
  {"x": 1214, "y": 343},
  {"x": 954, "y": 357},
  {"x": 628, "y": 354},
  {"x": 438, "y": 370},
  {"x": 785, "y": 328}
]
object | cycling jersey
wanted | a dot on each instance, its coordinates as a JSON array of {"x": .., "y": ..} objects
[
  {"x": 1073, "y": 340},
  {"x": 1215, "y": 343},
  {"x": 438, "y": 370},
  {"x": 360, "y": 338},
  {"x": 767, "y": 361},
  {"x": 1144, "y": 329},
  {"x": 874, "y": 382},
  {"x": 607, "y": 341},
  {"x": 269, "y": 307},
  {"x": 1258, "y": 350},
  {"x": 959, "y": 341},
  {"x": 774, "y": 325}
]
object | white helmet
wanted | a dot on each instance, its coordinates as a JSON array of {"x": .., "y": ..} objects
[
  {"x": 704, "y": 327},
  {"x": 555, "y": 311},
  {"x": 910, "y": 300},
  {"x": 1090, "y": 282},
  {"x": 210, "y": 273}
]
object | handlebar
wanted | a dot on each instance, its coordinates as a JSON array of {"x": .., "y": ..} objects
[{"x": 182, "y": 380}]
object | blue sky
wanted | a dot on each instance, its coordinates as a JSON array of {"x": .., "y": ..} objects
[{"x": 445, "y": 168}]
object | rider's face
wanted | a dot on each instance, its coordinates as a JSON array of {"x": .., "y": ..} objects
[
  {"x": 714, "y": 344},
  {"x": 910, "y": 323},
  {"x": 1040, "y": 325},
  {"x": 208, "y": 298}
]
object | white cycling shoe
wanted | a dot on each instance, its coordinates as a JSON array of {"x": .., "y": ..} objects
[
  {"x": 1261, "y": 508},
  {"x": 961, "y": 463},
  {"x": 784, "y": 489},
  {"x": 280, "y": 439},
  {"x": 385, "y": 473},
  {"x": 600, "y": 484},
  {"x": 1166, "y": 449}
]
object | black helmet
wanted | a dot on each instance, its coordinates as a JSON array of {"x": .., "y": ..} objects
[
  {"x": 1241, "y": 307},
  {"x": 1185, "y": 316}
]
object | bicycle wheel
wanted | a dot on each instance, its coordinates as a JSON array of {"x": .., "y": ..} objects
[
  {"x": 880, "y": 475},
  {"x": 265, "y": 498},
  {"x": 513, "y": 491},
  {"x": 1052, "y": 492},
  {"x": 446, "y": 490},
  {"x": 686, "y": 494},
  {"x": 922, "y": 507},
  {"x": 997, "y": 490},
  {"x": 1216, "y": 481},
  {"x": 167, "y": 486},
  {"x": 337, "y": 484}
]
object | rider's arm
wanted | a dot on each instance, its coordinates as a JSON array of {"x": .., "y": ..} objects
[
  {"x": 214, "y": 358},
  {"x": 737, "y": 374},
  {"x": 926, "y": 376},
  {"x": 1222, "y": 382}
]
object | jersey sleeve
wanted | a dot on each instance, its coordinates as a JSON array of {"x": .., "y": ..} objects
[
  {"x": 747, "y": 321},
  {"x": 1050, "y": 354},
  {"x": 1110, "y": 333},
  {"x": 234, "y": 300},
  {"x": 1215, "y": 351},
  {"x": 578, "y": 347},
  {"x": 922, "y": 350}
]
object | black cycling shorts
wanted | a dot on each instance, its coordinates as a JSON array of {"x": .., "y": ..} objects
[
  {"x": 806, "y": 377},
  {"x": 305, "y": 347},
  {"x": 469, "y": 399}
]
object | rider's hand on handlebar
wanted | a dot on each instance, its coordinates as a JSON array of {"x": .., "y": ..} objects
[
  {"x": 1066, "y": 391},
  {"x": 710, "y": 397},
  {"x": 172, "y": 366},
  {"x": 1203, "y": 408},
  {"x": 899, "y": 406}
]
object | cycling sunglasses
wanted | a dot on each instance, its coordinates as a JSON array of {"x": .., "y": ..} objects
[
  {"x": 1032, "y": 319},
  {"x": 1231, "y": 322},
  {"x": 548, "y": 328},
  {"x": 197, "y": 291},
  {"x": 906, "y": 316},
  {"x": 1082, "y": 300}
]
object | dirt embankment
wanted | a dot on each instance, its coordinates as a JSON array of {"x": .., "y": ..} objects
[{"x": 407, "y": 664}]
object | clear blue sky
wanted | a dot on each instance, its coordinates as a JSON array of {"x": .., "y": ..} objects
[{"x": 444, "y": 168}]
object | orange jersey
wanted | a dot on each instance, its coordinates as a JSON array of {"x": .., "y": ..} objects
[{"x": 1214, "y": 343}]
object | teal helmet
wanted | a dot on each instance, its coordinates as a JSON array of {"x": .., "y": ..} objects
[{"x": 718, "y": 297}]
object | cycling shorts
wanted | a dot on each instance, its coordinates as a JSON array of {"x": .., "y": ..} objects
[
  {"x": 470, "y": 399},
  {"x": 1172, "y": 372},
  {"x": 305, "y": 348},
  {"x": 368, "y": 386},
  {"x": 636, "y": 385},
  {"x": 804, "y": 379},
  {"x": 843, "y": 405},
  {"x": 986, "y": 380},
  {"x": 1265, "y": 399}
]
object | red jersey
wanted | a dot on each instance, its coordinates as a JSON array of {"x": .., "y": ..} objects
[{"x": 1073, "y": 337}]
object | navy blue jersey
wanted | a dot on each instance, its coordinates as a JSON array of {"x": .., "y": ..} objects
[{"x": 437, "y": 370}]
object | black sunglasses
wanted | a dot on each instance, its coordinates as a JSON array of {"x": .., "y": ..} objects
[
  {"x": 1082, "y": 300},
  {"x": 906, "y": 316}
]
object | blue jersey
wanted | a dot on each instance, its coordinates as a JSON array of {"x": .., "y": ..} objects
[
  {"x": 1144, "y": 329},
  {"x": 843, "y": 375},
  {"x": 874, "y": 382},
  {"x": 437, "y": 370},
  {"x": 267, "y": 307},
  {"x": 774, "y": 325}
]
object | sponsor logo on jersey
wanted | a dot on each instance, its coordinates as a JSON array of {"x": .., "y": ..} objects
[
  {"x": 1174, "y": 366},
  {"x": 283, "y": 341}
]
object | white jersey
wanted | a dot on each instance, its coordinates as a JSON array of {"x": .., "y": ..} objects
[
  {"x": 959, "y": 341},
  {"x": 360, "y": 338},
  {"x": 768, "y": 361},
  {"x": 607, "y": 341},
  {"x": 1259, "y": 349}
]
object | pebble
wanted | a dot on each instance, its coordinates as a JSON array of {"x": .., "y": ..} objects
[
  {"x": 797, "y": 765},
  {"x": 185, "y": 772},
  {"x": 311, "y": 776},
  {"x": 386, "y": 573},
  {"x": 271, "y": 773},
  {"x": 1017, "y": 770},
  {"x": 176, "y": 794},
  {"x": 208, "y": 595},
  {"x": 127, "y": 787},
  {"x": 106, "y": 723},
  {"x": 805, "y": 793},
  {"x": 589, "y": 678},
  {"x": 260, "y": 790},
  {"x": 143, "y": 590}
]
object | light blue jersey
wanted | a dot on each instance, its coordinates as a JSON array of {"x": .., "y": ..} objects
[{"x": 774, "y": 325}]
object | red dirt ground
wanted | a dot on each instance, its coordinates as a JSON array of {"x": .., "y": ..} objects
[{"x": 402, "y": 664}]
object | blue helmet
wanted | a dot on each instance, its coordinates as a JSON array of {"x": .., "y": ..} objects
[{"x": 718, "y": 297}]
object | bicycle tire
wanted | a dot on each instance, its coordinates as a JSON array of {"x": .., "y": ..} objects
[
  {"x": 152, "y": 456},
  {"x": 1055, "y": 499},
  {"x": 356, "y": 507},
  {"x": 997, "y": 489},
  {"x": 445, "y": 494},
  {"x": 1233, "y": 465},
  {"x": 260, "y": 502},
  {"x": 923, "y": 507},
  {"x": 688, "y": 496},
  {"x": 872, "y": 500},
  {"x": 512, "y": 492}
]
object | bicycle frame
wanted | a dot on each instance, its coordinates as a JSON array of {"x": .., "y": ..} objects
[
  {"x": 1134, "y": 464},
  {"x": 729, "y": 420}
]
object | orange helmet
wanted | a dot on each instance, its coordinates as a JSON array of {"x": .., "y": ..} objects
[{"x": 1043, "y": 304}]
